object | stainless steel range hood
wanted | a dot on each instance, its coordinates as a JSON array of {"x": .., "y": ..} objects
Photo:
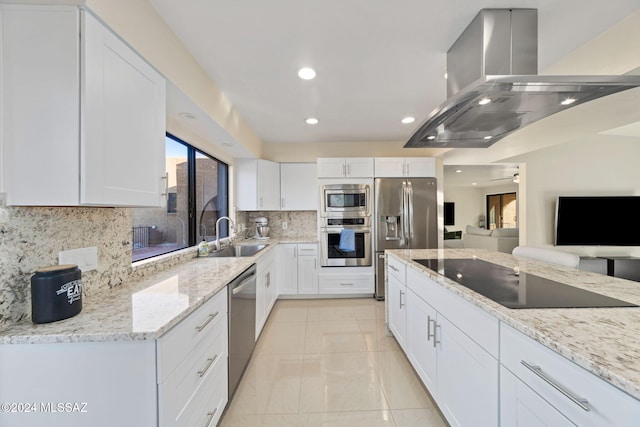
[{"x": 493, "y": 88}]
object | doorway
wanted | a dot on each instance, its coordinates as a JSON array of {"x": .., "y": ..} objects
[{"x": 502, "y": 211}]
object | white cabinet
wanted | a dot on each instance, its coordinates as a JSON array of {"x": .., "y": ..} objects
[
  {"x": 298, "y": 187},
  {"x": 83, "y": 115},
  {"x": 298, "y": 269},
  {"x": 266, "y": 289},
  {"x": 397, "y": 300},
  {"x": 257, "y": 185},
  {"x": 405, "y": 167},
  {"x": 335, "y": 281},
  {"x": 421, "y": 349},
  {"x": 578, "y": 395},
  {"x": 350, "y": 167}
]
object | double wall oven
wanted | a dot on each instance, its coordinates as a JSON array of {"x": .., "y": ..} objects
[{"x": 345, "y": 210}]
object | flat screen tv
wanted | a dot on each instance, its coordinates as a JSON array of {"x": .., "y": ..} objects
[
  {"x": 598, "y": 221},
  {"x": 449, "y": 213}
]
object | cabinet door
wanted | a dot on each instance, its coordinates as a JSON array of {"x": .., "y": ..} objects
[
  {"x": 421, "y": 350},
  {"x": 467, "y": 378},
  {"x": 359, "y": 167},
  {"x": 268, "y": 185},
  {"x": 420, "y": 167},
  {"x": 521, "y": 406},
  {"x": 298, "y": 187},
  {"x": 287, "y": 269},
  {"x": 122, "y": 156},
  {"x": 389, "y": 167},
  {"x": 308, "y": 274},
  {"x": 331, "y": 168},
  {"x": 397, "y": 310}
]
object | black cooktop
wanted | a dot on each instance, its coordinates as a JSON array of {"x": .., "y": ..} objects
[{"x": 523, "y": 290}]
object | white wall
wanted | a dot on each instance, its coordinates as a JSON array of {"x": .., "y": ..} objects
[
  {"x": 471, "y": 202},
  {"x": 600, "y": 166}
]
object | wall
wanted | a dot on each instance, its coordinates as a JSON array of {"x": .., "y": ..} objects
[
  {"x": 471, "y": 202},
  {"x": 601, "y": 165}
]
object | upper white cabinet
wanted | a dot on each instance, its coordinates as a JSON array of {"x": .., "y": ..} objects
[
  {"x": 351, "y": 167},
  {"x": 83, "y": 115},
  {"x": 298, "y": 187},
  {"x": 405, "y": 167},
  {"x": 258, "y": 185}
]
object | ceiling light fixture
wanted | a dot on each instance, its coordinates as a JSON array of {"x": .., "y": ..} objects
[
  {"x": 306, "y": 73},
  {"x": 311, "y": 121},
  {"x": 459, "y": 171},
  {"x": 473, "y": 183},
  {"x": 488, "y": 137},
  {"x": 408, "y": 120},
  {"x": 567, "y": 101},
  {"x": 431, "y": 137},
  {"x": 516, "y": 178},
  {"x": 484, "y": 101}
]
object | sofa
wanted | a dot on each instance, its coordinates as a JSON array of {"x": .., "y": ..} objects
[{"x": 498, "y": 240}]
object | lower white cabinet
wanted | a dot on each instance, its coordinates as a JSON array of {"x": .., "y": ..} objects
[
  {"x": 396, "y": 300},
  {"x": 266, "y": 289},
  {"x": 297, "y": 269},
  {"x": 420, "y": 332},
  {"x": 547, "y": 381}
]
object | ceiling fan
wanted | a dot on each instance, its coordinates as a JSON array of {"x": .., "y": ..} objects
[{"x": 515, "y": 178}]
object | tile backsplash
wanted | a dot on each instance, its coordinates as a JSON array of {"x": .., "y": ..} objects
[{"x": 298, "y": 222}]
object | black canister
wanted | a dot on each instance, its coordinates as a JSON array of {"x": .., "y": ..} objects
[{"x": 56, "y": 293}]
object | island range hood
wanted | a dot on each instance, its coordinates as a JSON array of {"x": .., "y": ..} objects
[{"x": 493, "y": 88}]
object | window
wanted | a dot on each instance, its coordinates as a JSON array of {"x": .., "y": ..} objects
[
  {"x": 197, "y": 187},
  {"x": 501, "y": 211}
]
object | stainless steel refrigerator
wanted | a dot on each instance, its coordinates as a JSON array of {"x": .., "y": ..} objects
[{"x": 406, "y": 218}]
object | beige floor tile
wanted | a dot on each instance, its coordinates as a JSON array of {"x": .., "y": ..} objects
[
  {"x": 375, "y": 335},
  {"x": 339, "y": 302},
  {"x": 418, "y": 418},
  {"x": 340, "y": 382},
  {"x": 261, "y": 420},
  {"x": 282, "y": 338},
  {"x": 347, "y": 419},
  {"x": 288, "y": 313},
  {"x": 316, "y": 314},
  {"x": 271, "y": 385},
  {"x": 363, "y": 312},
  {"x": 401, "y": 385},
  {"x": 334, "y": 336}
]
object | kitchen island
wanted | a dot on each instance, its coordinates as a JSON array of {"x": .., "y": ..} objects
[{"x": 602, "y": 342}]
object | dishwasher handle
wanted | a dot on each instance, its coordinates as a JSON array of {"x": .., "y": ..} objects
[{"x": 244, "y": 284}]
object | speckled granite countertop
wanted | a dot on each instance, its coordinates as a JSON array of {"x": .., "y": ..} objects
[
  {"x": 147, "y": 308},
  {"x": 604, "y": 341}
]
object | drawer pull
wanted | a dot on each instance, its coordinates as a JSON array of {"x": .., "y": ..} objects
[
  {"x": 394, "y": 269},
  {"x": 346, "y": 284},
  {"x": 209, "y": 319},
  {"x": 210, "y": 416},
  {"x": 204, "y": 370},
  {"x": 581, "y": 402}
]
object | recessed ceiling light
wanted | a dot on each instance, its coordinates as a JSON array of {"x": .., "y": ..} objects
[
  {"x": 311, "y": 121},
  {"x": 568, "y": 101},
  {"x": 306, "y": 73},
  {"x": 459, "y": 171},
  {"x": 408, "y": 120},
  {"x": 446, "y": 76},
  {"x": 431, "y": 137},
  {"x": 488, "y": 137},
  {"x": 187, "y": 115},
  {"x": 473, "y": 183},
  {"x": 484, "y": 101}
]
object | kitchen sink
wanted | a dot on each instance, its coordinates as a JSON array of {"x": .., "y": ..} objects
[{"x": 237, "y": 251}]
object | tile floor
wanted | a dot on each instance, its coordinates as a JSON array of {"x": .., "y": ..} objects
[{"x": 329, "y": 363}]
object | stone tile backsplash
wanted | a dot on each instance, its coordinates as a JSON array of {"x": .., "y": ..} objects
[{"x": 298, "y": 222}]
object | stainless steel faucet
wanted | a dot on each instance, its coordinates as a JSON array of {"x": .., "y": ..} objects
[{"x": 232, "y": 228}]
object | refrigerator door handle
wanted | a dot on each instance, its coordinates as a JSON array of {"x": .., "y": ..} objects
[
  {"x": 410, "y": 210},
  {"x": 405, "y": 214}
]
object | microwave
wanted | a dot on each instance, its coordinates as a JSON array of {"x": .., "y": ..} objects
[{"x": 339, "y": 200}]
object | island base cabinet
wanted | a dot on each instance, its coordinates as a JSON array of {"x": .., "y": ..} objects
[
  {"x": 422, "y": 352},
  {"x": 396, "y": 302},
  {"x": 520, "y": 406},
  {"x": 79, "y": 384}
]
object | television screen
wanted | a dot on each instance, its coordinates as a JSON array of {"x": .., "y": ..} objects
[
  {"x": 598, "y": 221},
  {"x": 449, "y": 213}
]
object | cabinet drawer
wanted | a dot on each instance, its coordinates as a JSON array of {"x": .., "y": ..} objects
[
  {"x": 346, "y": 284},
  {"x": 175, "y": 345},
  {"x": 307, "y": 249},
  {"x": 199, "y": 367},
  {"x": 396, "y": 268},
  {"x": 607, "y": 405},
  {"x": 206, "y": 406},
  {"x": 479, "y": 325}
]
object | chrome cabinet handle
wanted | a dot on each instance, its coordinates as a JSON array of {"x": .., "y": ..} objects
[
  {"x": 344, "y": 169},
  {"x": 210, "y": 416},
  {"x": 260, "y": 201},
  {"x": 580, "y": 401},
  {"x": 346, "y": 284},
  {"x": 204, "y": 370},
  {"x": 204, "y": 325},
  {"x": 393, "y": 268},
  {"x": 429, "y": 334},
  {"x": 282, "y": 203},
  {"x": 401, "y": 304},
  {"x": 435, "y": 338}
]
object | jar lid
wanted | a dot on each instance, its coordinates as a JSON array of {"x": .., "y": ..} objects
[{"x": 55, "y": 269}]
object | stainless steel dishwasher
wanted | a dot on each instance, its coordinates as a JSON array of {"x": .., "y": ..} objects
[{"x": 242, "y": 325}]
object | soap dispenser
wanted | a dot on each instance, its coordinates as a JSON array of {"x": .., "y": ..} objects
[{"x": 203, "y": 248}]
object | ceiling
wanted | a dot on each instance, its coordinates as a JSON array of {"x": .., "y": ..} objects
[
  {"x": 376, "y": 61},
  {"x": 480, "y": 176}
]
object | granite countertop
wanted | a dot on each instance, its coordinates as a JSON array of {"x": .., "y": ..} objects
[
  {"x": 604, "y": 341},
  {"x": 147, "y": 308}
]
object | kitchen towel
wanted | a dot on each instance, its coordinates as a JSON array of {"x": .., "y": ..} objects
[{"x": 347, "y": 241}]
